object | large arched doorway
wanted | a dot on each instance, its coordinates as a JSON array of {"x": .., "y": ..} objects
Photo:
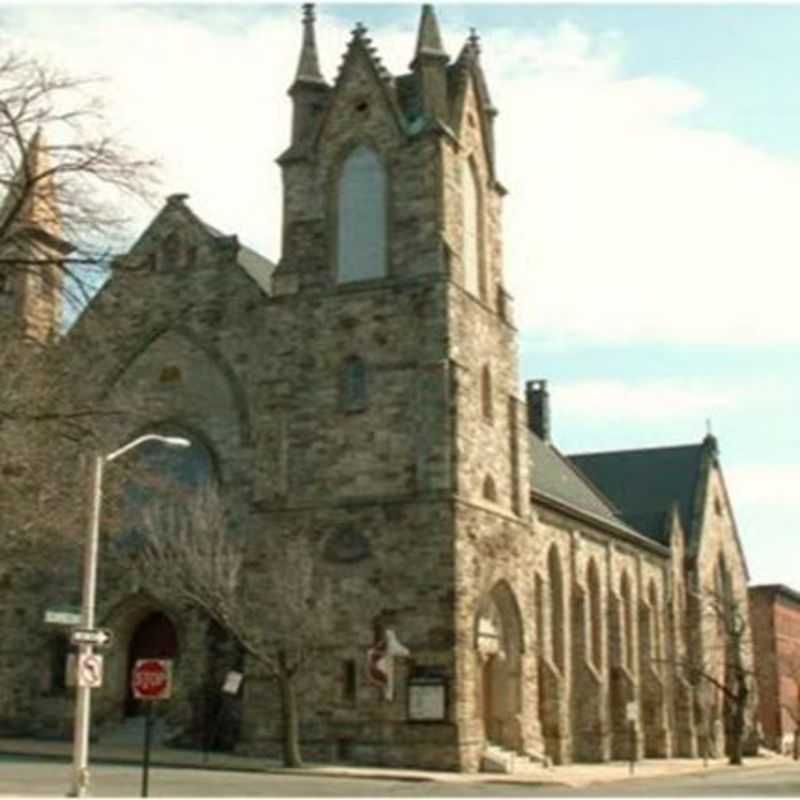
[
  {"x": 154, "y": 637},
  {"x": 498, "y": 641}
]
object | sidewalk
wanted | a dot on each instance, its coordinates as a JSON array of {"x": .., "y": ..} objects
[{"x": 573, "y": 775}]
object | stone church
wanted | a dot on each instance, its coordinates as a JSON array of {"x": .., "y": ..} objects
[{"x": 363, "y": 393}]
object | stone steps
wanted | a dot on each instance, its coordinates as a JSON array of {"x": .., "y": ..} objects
[{"x": 498, "y": 759}]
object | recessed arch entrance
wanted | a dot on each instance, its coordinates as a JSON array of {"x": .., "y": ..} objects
[{"x": 499, "y": 647}]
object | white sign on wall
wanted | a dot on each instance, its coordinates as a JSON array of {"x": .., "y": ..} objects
[
  {"x": 233, "y": 680},
  {"x": 631, "y": 711}
]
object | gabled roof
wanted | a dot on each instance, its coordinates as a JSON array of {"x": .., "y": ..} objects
[
  {"x": 556, "y": 480},
  {"x": 258, "y": 267},
  {"x": 644, "y": 484},
  {"x": 552, "y": 474}
]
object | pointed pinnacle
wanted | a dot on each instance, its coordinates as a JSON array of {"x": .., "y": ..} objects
[
  {"x": 475, "y": 40},
  {"x": 308, "y": 66},
  {"x": 429, "y": 39}
]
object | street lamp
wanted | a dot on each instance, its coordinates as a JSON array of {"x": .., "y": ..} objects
[{"x": 80, "y": 751}]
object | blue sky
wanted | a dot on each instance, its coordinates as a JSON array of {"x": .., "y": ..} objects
[{"x": 652, "y": 155}]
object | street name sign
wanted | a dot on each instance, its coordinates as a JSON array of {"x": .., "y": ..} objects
[
  {"x": 98, "y": 637},
  {"x": 152, "y": 679},
  {"x": 63, "y": 616}
]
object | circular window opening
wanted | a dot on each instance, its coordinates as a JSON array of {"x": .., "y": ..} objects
[{"x": 362, "y": 106}]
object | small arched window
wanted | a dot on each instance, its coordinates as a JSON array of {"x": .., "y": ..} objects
[
  {"x": 361, "y": 232},
  {"x": 489, "y": 489},
  {"x": 354, "y": 384},
  {"x": 471, "y": 228},
  {"x": 486, "y": 393},
  {"x": 171, "y": 251}
]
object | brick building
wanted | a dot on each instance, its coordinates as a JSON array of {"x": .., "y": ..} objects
[
  {"x": 775, "y": 621},
  {"x": 364, "y": 394}
]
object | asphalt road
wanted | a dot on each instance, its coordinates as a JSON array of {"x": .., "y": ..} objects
[
  {"x": 762, "y": 781},
  {"x": 38, "y": 777}
]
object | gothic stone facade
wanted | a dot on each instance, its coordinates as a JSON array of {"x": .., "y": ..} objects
[{"x": 363, "y": 395}]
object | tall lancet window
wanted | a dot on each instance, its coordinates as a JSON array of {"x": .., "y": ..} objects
[
  {"x": 471, "y": 227},
  {"x": 362, "y": 217}
]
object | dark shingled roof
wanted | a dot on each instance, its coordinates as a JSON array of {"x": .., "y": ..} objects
[
  {"x": 644, "y": 484},
  {"x": 552, "y": 474}
]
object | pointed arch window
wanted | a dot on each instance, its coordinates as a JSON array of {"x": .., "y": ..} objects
[
  {"x": 486, "y": 393},
  {"x": 656, "y": 652},
  {"x": 354, "y": 384},
  {"x": 470, "y": 194},
  {"x": 627, "y": 621},
  {"x": 489, "y": 489},
  {"x": 556, "y": 607},
  {"x": 171, "y": 250},
  {"x": 595, "y": 640},
  {"x": 361, "y": 231}
]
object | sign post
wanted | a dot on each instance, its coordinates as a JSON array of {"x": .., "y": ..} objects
[{"x": 151, "y": 680}]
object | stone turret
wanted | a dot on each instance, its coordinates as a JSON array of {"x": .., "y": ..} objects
[
  {"x": 430, "y": 65},
  {"x": 469, "y": 63},
  {"x": 309, "y": 89},
  {"x": 33, "y": 248}
]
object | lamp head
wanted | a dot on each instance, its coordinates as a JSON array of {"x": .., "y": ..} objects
[{"x": 177, "y": 441}]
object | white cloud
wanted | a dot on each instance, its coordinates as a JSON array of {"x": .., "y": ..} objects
[
  {"x": 767, "y": 486},
  {"x": 610, "y": 401},
  {"x": 622, "y": 223}
]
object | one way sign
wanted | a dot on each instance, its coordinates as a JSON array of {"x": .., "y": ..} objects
[{"x": 98, "y": 637}]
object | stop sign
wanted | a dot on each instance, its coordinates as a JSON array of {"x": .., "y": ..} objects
[{"x": 152, "y": 679}]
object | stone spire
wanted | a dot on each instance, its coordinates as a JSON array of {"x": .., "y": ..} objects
[
  {"x": 308, "y": 70},
  {"x": 469, "y": 60},
  {"x": 430, "y": 66},
  {"x": 309, "y": 91},
  {"x": 429, "y": 40},
  {"x": 33, "y": 236}
]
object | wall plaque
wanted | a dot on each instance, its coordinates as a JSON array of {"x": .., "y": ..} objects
[{"x": 427, "y": 696}]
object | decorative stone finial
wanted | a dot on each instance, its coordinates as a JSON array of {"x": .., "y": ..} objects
[
  {"x": 429, "y": 39},
  {"x": 475, "y": 40},
  {"x": 308, "y": 66}
]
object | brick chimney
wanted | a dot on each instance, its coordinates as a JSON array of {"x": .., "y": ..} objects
[{"x": 538, "y": 401}]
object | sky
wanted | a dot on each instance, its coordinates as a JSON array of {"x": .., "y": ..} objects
[{"x": 652, "y": 158}]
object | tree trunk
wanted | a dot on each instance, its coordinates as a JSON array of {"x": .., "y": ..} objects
[
  {"x": 289, "y": 716},
  {"x": 738, "y": 725}
]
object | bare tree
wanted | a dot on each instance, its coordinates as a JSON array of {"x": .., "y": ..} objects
[
  {"x": 722, "y": 662},
  {"x": 191, "y": 557},
  {"x": 64, "y": 180}
]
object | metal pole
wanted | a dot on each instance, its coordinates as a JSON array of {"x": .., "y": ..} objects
[
  {"x": 148, "y": 732},
  {"x": 80, "y": 752}
]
